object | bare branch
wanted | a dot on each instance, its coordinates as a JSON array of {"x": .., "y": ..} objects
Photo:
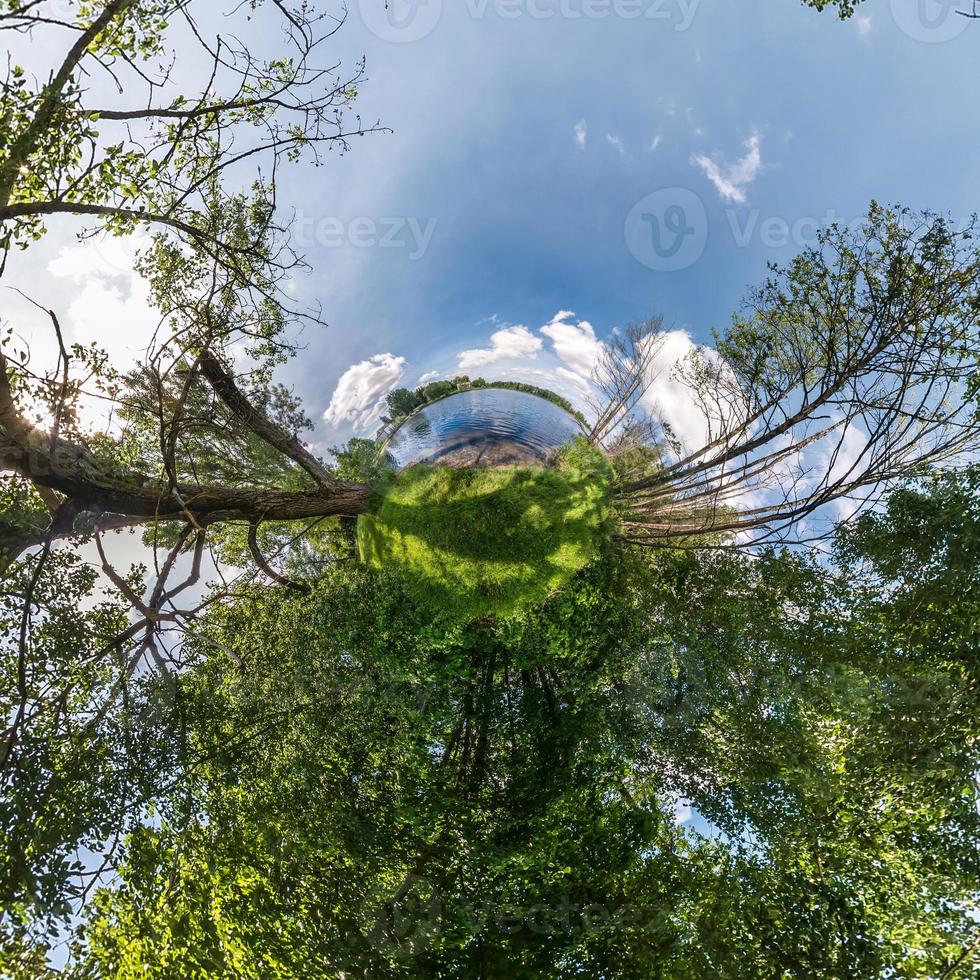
[{"x": 253, "y": 547}]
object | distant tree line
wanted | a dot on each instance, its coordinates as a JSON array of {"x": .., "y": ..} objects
[{"x": 403, "y": 401}]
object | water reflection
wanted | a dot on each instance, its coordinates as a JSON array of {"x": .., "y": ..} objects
[{"x": 483, "y": 427}]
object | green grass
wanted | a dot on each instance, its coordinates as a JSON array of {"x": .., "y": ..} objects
[{"x": 474, "y": 542}]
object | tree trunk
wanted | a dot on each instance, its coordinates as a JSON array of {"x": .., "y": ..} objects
[{"x": 90, "y": 488}]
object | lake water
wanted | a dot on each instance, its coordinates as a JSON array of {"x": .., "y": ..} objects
[{"x": 483, "y": 427}]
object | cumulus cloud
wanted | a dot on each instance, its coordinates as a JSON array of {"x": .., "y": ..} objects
[
  {"x": 359, "y": 398},
  {"x": 838, "y": 456},
  {"x": 575, "y": 344},
  {"x": 580, "y": 383},
  {"x": 730, "y": 180},
  {"x": 581, "y": 134},
  {"x": 427, "y": 377},
  {"x": 111, "y": 304},
  {"x": 509, "y": 343},
  {"x": 574, "y": 349},
  {"x": 669, "y": 397}
]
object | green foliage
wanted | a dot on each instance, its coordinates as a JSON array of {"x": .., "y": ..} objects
[
  {"x": 510, "y": 780},
  {"x": 379, "y": 777},
  {"x": 386, "y": 728},
  {"x": 361, "y": 461},
  {"x": 24, "y": 516},
  {"x": 845, "y": 8},
  {"x": 335, "y": 699},
  {"x": 487, "y": 541},
  {"x": 636, "y": 462},
  {"x": 816, "y": 320},
  {"x": 58, "y": 155},
  {"x": 827, "y": 723},
  {"x": 402, "y": 402},
  {"x": 71, "y": 758}
]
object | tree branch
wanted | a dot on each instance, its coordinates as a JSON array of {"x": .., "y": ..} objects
[{"x": 228, "y": 391}]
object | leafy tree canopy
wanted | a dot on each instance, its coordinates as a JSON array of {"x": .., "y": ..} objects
[
  {"x": 845, "y": 8},
  {"x": 496, "y": 799}
]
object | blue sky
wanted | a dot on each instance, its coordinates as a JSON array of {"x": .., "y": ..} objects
[
  {"x": 535, "y": 157},
  {"x": 543, "y": 150}
]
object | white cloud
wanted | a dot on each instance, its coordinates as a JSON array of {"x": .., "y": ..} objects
[
  {"x": 682, "y": 811},
  {"x": 655, "y": 142},
  {"x": 574, "y": 350},
  {"x": 864, "y": 24},
  {"x": 359, "y": 398},
  {"x": 575, "y": 343},
  {"x": 581, "y": 384},
  {"x": 427, "y": 377},
  {"x": 838, "y": 456},
  {"x": 671, "y": 399},
  {"x": 581, "y": 134},
  {"x": 511, "y": 342},
  {"x": 668, "y": 398},
  {"x": 616, "y": 143},
  {"x": 99, "y": 299},
  {"x": 106, "y": 257},
  {"x": 730, "y": 180},
  {"x": 112, "y": 304}
]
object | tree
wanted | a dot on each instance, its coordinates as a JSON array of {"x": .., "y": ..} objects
[
  {"x": 503, "y": 790},
  {"x": 157, "y": 159},
  {"x": 866, "y": 341},
  {"x": 403, "y": 401},
  {"x": 195, "y": 440},
  {"x": 361, "y": 461},
  {"x": 868, "y": 338},
  {"x": 216, "y": 265},
  {"x": 845, "y": 8},
  {"x": 849, "y": 369},
  {"x": 82, "y": 750}
]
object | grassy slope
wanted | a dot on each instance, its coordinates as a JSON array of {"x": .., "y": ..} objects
[{"x": 480, "y": 541}]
